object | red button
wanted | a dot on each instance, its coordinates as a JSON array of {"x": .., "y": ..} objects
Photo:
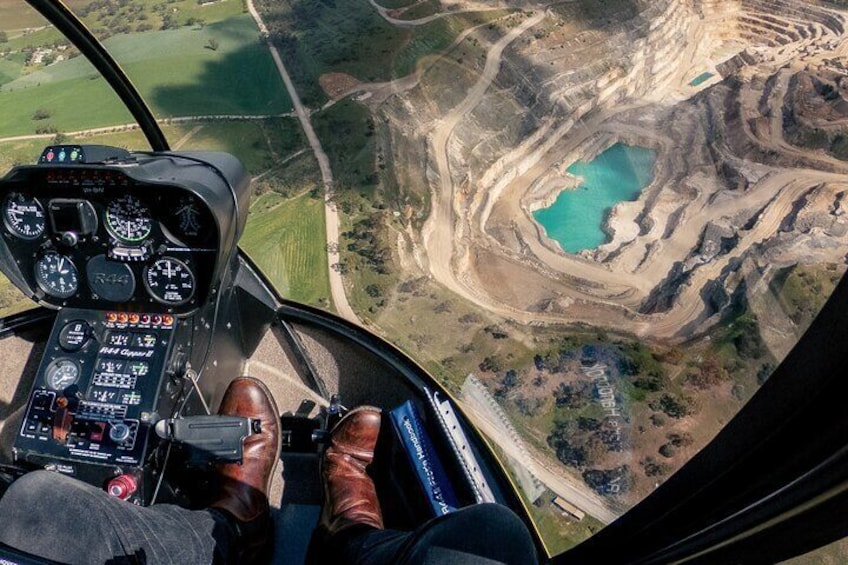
[
  {"x": 122, "y": 486},
  {"x": 145, "y": 318},
  {"x": 157, "y": 319}
]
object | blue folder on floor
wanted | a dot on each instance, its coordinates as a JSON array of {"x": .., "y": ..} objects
[{"x": 428, "y": 468}]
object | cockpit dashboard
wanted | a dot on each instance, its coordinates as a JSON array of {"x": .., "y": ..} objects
[
  {"x": 137, "y": 252},
  {"x": 126, "y": 233}
]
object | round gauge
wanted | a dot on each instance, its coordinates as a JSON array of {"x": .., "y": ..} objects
[
  {"x": 128, "y": 219},
  {"x": 169, "y": 281},
  {"x": 61, "y": 373},
  {"x": 23, "y": 216},
  {"x": 56, "y": 275}
]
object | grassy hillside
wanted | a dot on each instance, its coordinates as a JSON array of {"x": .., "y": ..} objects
[
  {"x": 177, "y": 71},
  {"x": 317, "y": 37},
  {"x": 286, "y": 239}
]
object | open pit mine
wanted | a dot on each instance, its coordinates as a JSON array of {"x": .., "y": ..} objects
[{"x": 744, "y": 105}]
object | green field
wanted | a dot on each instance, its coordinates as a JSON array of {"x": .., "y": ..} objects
[
  {"x": 286, "y": 239},
  {"x": 259, "y": 144},
  {"x": 119, "y": 16},
  {"x": 394, "y": 4},
  {"x": 175, "y": 70},
  {"x": 16, "y": 15},
  {"x": 422, "y": 10},
  {"x": 316, "y": 38}
]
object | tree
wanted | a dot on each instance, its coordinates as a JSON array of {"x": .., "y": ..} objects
[
  {"x": 373, "y": 291},
  {"x": 674, "y": 406},
  {"x": 608, "y": 481},
  {"x": 41, "y": 114},
  {"x": 570, "y": 396},
  {"x": 654, "y": 468},
  {"x": 710, "y": 373},
  {"x": 4, "y": 37},
  {"x": 213, "y": 44}
]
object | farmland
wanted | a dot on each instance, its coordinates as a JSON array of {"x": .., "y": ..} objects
[
  {"x": 285, "y": 237},
  {"x": 214, "y": 69}
]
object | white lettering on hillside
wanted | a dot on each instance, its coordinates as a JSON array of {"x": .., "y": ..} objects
[{"x": 605, "y": 389}]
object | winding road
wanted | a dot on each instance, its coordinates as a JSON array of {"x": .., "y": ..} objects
[
  {"x": 439, "y": 231},
  {"x": 332, "y": 216}
]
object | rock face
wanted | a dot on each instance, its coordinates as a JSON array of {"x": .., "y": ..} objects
[{"x": 740, "y": 178}]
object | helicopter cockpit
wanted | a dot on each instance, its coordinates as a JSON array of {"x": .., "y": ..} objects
[
  {"x": 138, "y": 284},
  {"x": 133, "y": 262}
]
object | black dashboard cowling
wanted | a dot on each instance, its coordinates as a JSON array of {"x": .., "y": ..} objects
[{"x": 139, "y": 230}]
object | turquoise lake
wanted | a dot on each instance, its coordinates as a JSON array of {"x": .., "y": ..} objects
[
  {"x": 575, "y": 220},
  {"x": 700, "y": 78}
]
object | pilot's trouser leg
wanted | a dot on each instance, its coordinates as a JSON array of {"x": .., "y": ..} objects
[
  {"x": 63, "y": 519},
  {"x": 479, "y": 534}
]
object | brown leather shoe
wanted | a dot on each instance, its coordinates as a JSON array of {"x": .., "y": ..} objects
[
  {"x": 350, "y": 497},
  {"x": 244, "y": 487}
]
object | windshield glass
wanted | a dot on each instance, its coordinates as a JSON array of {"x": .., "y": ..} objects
[{"x": 600, "y": 225}]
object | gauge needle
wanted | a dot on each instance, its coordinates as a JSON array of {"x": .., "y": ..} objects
[
  {"x": 62, "y": 264},
  {"x": 170, "y": 272}
]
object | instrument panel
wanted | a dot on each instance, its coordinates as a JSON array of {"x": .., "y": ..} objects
[{"x": 96, "y": 237}]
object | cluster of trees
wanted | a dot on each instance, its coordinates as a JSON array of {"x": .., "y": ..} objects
[
  {"x": 609, "y": 481},
  {"x": 676, "y": 441},
  {"x": 574, "y": 396},
  {"x": 675, "y": 406},
  {"x": 126, "y": 16},
  {"x": 584, "y": 442},
  {"x": 508, "y": 383},
  {"x": 365, "y": 240},
  {"x": 642, "y": 366}
]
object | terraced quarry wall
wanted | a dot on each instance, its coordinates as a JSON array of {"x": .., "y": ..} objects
[{"x": 566, "y": 89}]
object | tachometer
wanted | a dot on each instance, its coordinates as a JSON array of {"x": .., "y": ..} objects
[
  {"x": 128, "y": 219},
  {"x": 24, "y": 216},
  {"x": 62, "y": 373},
  {"x": 169, "y": 281},
  {"x": 56, "y": 275}
]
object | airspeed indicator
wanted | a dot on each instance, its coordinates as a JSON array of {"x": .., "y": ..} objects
[
  {"x": 23, "y": 216},
  {"x": 169, "y": 281}
]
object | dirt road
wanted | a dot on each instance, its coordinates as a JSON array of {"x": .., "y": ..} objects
[
  {"x": 439, "y": 231},
  {"x": 332, "y": 216}
]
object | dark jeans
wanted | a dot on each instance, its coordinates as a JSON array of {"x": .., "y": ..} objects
[
  {"x": 483, "y": 534},
  {"x": 65, "y": 520},
  {"x": 60, "y": 518}
]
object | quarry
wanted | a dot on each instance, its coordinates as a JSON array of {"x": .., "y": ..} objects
[{"x": 742, "y": 101}]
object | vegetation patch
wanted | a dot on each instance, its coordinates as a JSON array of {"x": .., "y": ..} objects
[
  {"x": 287, "y": 240},
  {"x": 421, "y": 10},
  {"x": 803, "y": 289},
  {"x": 346, "y": 131},
  {"x": 12, "y": 300},
  {"x": 259, "y": 144},
  {"x": 395, "y": 4},
  {"x": 319, "y": 37},
  {"x": 174, "y": 70}
]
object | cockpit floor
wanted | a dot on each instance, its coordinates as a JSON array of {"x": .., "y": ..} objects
[{"x": 296, "y": 489}]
